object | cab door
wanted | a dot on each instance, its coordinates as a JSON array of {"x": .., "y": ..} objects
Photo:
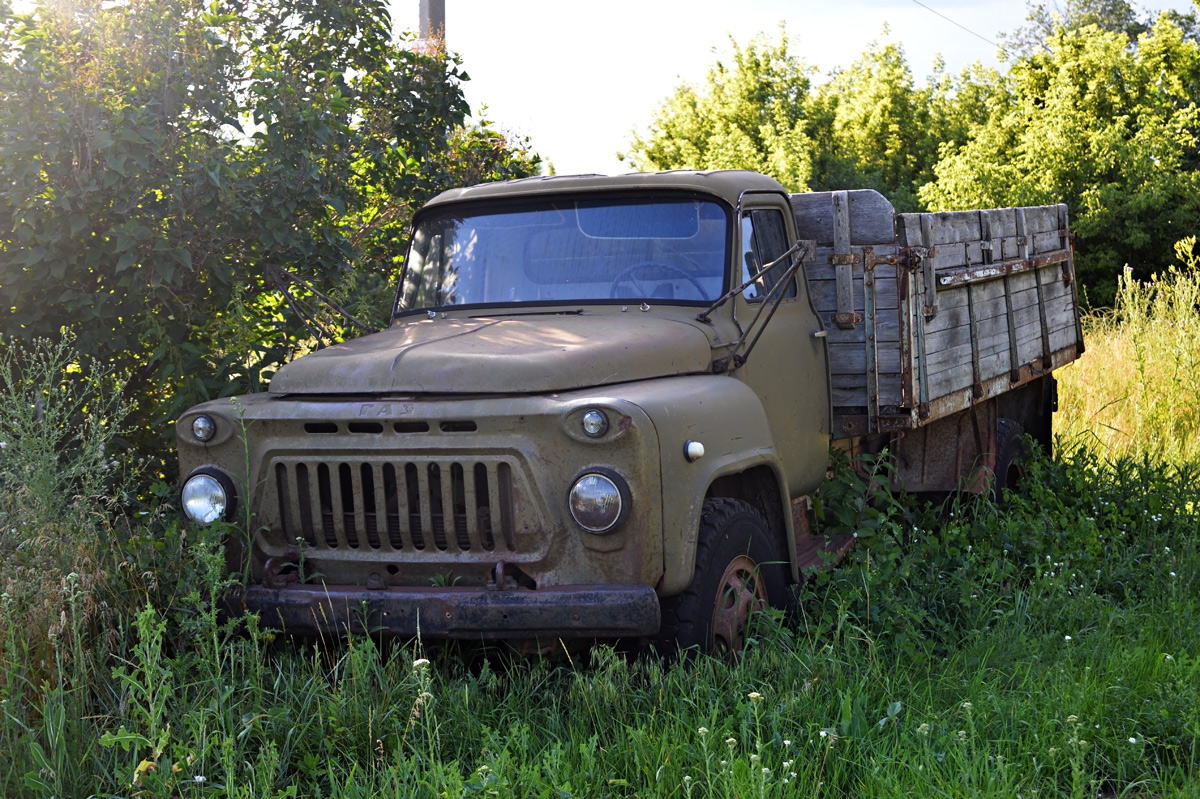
[{"x": 788, "y": 365}]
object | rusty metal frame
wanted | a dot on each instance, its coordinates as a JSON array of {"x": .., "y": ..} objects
[
  {"x": 563, "y": 611},
  {"x": 989, "y": 271}
]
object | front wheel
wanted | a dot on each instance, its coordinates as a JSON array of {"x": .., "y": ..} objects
[{"x": 738, "y": 571}]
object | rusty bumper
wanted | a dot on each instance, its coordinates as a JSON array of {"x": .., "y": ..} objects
[{"x": 566, "y": 611}]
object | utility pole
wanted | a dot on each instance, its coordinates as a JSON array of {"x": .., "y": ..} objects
[{"x": 432, "y": 24}]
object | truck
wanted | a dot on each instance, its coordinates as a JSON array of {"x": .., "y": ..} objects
[{"x": 604, "y": 403}]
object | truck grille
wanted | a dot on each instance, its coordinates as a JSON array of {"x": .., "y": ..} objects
[{"x": 408, "y": 506}]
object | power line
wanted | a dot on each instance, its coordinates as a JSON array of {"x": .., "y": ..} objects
[{"x": 952, "y": 22}]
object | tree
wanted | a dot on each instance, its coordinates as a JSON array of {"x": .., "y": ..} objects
[
  {"x": 1110, "y": 130},
  {"x": 1114, "y": 16},
  {"x": 175, "y": 175},
  {"x": 866, "y": 127},
  {"x": 748, "y": 115},
  {"x": 873, "y": 128}
]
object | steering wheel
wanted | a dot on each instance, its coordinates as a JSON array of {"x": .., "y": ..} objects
[{"x": 630, "y": 275}]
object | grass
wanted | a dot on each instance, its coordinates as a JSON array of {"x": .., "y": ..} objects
[
  {"x": 1046, "y": 647},
  {"x": 1137, "y": 388}
]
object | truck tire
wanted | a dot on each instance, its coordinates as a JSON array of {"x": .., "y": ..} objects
[
  {"x": 1010, "y": 456},
  {"x": 738, "y": 570}
]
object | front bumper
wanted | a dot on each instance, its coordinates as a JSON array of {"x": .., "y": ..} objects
[{"x": 566, "y": 611}]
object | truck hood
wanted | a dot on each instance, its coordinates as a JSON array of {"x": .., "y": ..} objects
[{"x": 525, "y": 354}]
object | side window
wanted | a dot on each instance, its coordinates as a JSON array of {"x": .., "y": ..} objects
[{"x": 764, "y": 240}]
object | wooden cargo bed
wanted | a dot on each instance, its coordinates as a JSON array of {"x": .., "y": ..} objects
[{"x": 930, "y": 313}]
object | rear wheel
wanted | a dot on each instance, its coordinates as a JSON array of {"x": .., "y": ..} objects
[
  {"x": 738, "y": 571},
  {"x": 1010, "y": 457}
]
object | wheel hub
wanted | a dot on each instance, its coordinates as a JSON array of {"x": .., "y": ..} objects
[{"x": 739, "y": 592}]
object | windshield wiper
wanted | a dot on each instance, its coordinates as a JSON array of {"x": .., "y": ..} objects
[{"x": 803, "y": 250}]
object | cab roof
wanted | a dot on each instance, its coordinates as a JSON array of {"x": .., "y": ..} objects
[{"x": 728, "y": 185}]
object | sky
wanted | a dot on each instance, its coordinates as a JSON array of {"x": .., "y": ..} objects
[{"x": 579, "y": 77}]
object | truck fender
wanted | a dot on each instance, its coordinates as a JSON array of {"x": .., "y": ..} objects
[{"x": 725, "y": 416}]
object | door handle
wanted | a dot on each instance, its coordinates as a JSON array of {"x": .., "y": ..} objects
[{"x": 820, "y": 334}]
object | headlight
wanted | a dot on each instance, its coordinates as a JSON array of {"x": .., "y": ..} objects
[
  {"x": 595, "y": 423},
  {"x": 208, "y": 496},
  {"x": 204, "y": 428},
  {"x": 599, "y": 501}
]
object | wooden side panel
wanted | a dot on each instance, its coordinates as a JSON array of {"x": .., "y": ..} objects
[
  {"x": 1002, "y": 303},
  {"x": 981, "y": 304}
]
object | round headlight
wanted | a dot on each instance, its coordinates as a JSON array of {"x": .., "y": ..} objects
[
  {"x": 599, "y": 502},
  {"x": 207, "y": 497},
  {"x": 204, "y": 428},
  {"x": 595, "y": 423}
]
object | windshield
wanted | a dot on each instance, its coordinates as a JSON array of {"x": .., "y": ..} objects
[{"x": 661, "y": 250}]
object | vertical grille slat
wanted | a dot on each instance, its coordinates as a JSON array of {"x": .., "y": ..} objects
[
  {"x": 469, "y": 509},
  {"x": 348, "y": 511},
  {"x": 304, "y": 503},
  {"x": 375, "y": 504},
  {"x": 397, "y": 509},
  {"x": 418, "y": 516},
  {"x": 481, "y": 502},
  {"x": 457, "y": 510},
  {"x": 324, "y": 497},
  {"x": 433, "y": 506}
]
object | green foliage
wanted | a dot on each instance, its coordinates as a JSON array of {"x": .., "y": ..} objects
[
  {"x": 868, "y": 126},
  {"x": 749, "y": 115},
  {"x": 1114, "y": 16},
  {"x": 169, "y": 167},
  {"x": 1107, "y": 129},
  {"x": 1051, "y": 648},
  {"x": 62, "y": 486},
  {"x": 1136, "y": 390},
  {"x": 875, "y": 129},
  {"x": 1094, "y": 119},
  {"x": 1048, "y": 648}
]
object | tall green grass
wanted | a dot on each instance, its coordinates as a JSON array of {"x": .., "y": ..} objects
[
  {"x": 1137, "y": 387},
  {"x": 1046, "y": 647}
]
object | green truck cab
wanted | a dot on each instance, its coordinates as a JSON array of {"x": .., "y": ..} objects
[{"x": 603, "y": 402}]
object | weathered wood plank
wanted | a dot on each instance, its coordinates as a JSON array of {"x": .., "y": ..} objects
[
  {"x": 852, "y": 359},
  {"x": 994, "y": 365},
  {"x": 1041, "y": 218},
  {"x": 957, "y": 254},
  {"x": 1045, "y": 242},
  {"x": 998, "y": 223},
  {"x": 871, "y": 217},
  {"x": 946, "y": 352},
  {"x": 824, "y": 294},
  {"x": 1062, "y": 338},
  {"x": 950, "y": 380},
  {"x": 856, "y": 396},
  {"x": 944, "y": 227},
  {"x": 822, "y": 269},
  {"x": 887, "y": 331}
]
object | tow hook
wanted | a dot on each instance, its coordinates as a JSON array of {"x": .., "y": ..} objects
[
  {"x": 501, "y": 581},
  {"x": 282, "y": 570}
]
